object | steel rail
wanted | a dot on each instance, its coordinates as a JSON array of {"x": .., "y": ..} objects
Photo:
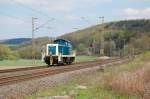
[
  {"x": 38, "y": 67},
  {"x": 46, "y": 72}
]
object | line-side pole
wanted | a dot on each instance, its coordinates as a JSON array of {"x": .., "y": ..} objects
[
  {"x": 102, "y": 36},
  {"x": 33, "y": 41}
]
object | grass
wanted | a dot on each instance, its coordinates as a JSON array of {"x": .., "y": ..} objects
[
  {"x": 127, "y": 81},
  {"x": 93, "y": 91},
  {"x": 20, "y": 62},
  {"x": 86, "y": 58},
  {"x": 23, "y": 62},
  {"x": 132, "y": 78}
]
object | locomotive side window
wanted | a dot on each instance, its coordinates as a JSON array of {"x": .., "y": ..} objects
[{"x": 64, "y": 50}]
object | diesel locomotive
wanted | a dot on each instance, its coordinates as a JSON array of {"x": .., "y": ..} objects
[{"x": 59, "y": 52}]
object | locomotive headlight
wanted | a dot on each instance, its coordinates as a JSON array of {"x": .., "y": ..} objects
[{"x": 50, "y": 53}]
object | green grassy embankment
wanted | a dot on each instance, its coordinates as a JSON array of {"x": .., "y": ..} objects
[
  {"x": 20, "y": 62},
  {"x": 23, "y": 63},
  {"x": 86, "y": 58},
  {"x": 127, "y": 81}
]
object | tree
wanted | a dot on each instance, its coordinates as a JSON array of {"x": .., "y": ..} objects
[
  {"x": 6, "y": 53},
  {"x": 141, "y": 44},
  {"x": 109, "y": 48},
  {"x": 81, "y": 49}
]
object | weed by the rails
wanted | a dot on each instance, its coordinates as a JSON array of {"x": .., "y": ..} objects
[
  {"x": 127, "y": 81},
  {"x": 131, "y": 81}
]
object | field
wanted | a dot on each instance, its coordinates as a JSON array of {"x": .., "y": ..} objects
[
  {"x": 24, "y": 63},
  {"x": 20, "y": 62}
]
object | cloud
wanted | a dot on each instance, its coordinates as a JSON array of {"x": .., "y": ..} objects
[
  {"x": 133, "y": 13},
  {"x": 71, "y": 17},
  {"x": 56, "y": 5},
  {"x": 8, "y": 20},
  {"x": 65, "y": 11},
  {"x": 138, "y": 0},
  {"x": 12, "y": 27}
]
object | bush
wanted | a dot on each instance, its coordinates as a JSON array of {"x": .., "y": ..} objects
[
  {"x": 141, "y": 44},
  {"x": 130, "y": 79},
  {"x": 6, "y": 53}
]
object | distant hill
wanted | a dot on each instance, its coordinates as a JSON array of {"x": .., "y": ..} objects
[
  {"x": 15, "y": 41},
  {"x": 126, "y": 34},
  {"x": 135, "y": 29}
]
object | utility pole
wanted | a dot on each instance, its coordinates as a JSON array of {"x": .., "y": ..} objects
[
  {"x": 91, "y": 47},
  {"x": 93, "y": 42},
  {"x": 50, "y": 38},
  {"x": 111, "y": 44},
  {"x": 33, "y": 36},
  {"x": 124, "y": 48},
  {"x": 33, "y": 41},
  {"x": 102, "y": 36}
]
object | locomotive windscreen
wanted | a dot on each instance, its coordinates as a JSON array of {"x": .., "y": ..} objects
[{"x": 52, "y": 50}]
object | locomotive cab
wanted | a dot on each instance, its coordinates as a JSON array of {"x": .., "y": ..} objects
[{"x": 60, "y": 52}]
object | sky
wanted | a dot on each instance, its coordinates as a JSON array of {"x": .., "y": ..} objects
[{"x": 57, "y": 17}]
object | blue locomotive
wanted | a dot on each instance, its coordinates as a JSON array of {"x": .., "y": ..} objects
[{"x": 60, "y": 52}]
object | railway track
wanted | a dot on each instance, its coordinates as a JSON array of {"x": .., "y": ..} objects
[
  {"x": 43, "y": 72},
  {"x": 30, "y": 68},
  {"x": 37, "y": 67}
]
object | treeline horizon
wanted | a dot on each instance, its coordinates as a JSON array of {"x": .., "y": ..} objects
[{"x": 120, "y": 39}]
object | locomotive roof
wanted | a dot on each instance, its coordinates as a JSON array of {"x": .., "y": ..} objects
[{"x": 62, "y": 40}]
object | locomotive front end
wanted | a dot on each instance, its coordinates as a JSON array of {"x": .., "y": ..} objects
[
  {"x": 51, "y": 57},
  {"x": 60, "y": 52}
]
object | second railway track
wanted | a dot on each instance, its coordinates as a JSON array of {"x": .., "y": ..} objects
[
  {"x": 38, "y": 68},
  {"x": 31, "y": 68},
  {"x": 11, "y": 79}
]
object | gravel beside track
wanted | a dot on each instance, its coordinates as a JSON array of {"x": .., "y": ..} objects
[
  {"x": 28, "y": 75},
  {"x": 21, "y": 69},
  {"x": 21, "y": 89}
]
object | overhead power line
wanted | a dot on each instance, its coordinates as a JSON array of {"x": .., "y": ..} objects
[
  {"x": 44, "y": 24},
  {"x": 84, "y": 19},
  {"x": 13, "y": 17},
  {"x": 29, "y": 8}
]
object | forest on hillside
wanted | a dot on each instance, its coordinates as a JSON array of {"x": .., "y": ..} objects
[
  {"x": 123, "y": 37},
  {"x": 119, "y": 39}
]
